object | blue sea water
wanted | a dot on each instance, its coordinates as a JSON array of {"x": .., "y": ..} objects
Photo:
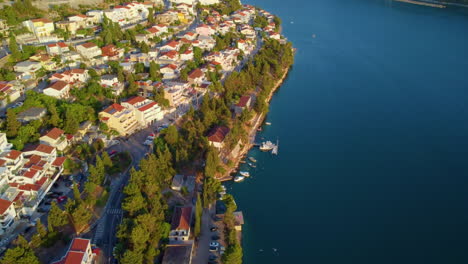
[{"x": 373, "y": 129}]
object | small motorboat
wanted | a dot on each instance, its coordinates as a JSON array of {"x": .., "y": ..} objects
[
  {"x": 268, "y": 123},
  {"x": 242, "y": 161},
  {"x": 244, "y": 173},
  {"x": 239, "y": 178},
  {"x": 252, "y": 159},
  {"x": 267, "y": 146},
  {"x": 252, "y": 165}
]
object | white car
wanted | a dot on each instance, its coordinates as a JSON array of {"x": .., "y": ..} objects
[{"x": 148, "y": 142}]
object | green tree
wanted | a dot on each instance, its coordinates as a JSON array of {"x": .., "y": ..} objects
[
  {"x": 15, "y": 52},
  {"x": 106, "y": 160},
  {"x": 198, "y": 216},
  {"x": 81, "y": 216},
  {"x": 13, "y": 124},
  {"x": 19, "y": 255},
  {"x": 154, "y": 71},
  {"x": 56, "y": 218},
  {"x": 41, "y": 229}
]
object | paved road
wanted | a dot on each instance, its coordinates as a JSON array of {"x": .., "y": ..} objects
[{"x": 202, "y": 253}]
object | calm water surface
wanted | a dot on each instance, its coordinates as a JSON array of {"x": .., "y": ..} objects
[{"x": 373, "y": 130}]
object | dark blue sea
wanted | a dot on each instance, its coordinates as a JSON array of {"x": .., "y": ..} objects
[{"x": 372, "y": 123}]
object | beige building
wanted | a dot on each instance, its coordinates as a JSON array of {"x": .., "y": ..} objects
[
  {"x": 120, "y": 119},
  {"x": 146, "y": 111},
  {"x": 40, "y": 27},
  {"x": 56, "y": 138}
]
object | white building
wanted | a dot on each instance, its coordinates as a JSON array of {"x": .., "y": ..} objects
[
  {"x": 146, "y": 111},
  {"x": 88, "y": 50},
  {"x": 41, "y": 27}
]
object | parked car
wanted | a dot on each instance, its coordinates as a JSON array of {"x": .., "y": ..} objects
[
  {"x": 112, "y": 153},
  {"x": 214, "y": 228},
  {"x": 213, "y": 257},
  {"x": 215, "y": 237},
  {"x": 213, "y": 249},
  {"x": 148, "y": 142},
  {"x": 214, "y": 244},
  {"x": 61, "y": 199}
]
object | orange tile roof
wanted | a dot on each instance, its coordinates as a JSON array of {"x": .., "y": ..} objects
[
  {"x": 55, "y": 133},
  {"x": 74, "y": 257},
  {"x": 88, "y": 45},
  {"x": 181, "y": 218},
  {"x": 4, "y": 205},
  {"x": 146, "y": 107},
  {"x": 197, "y": 73},
  {"x": 79, "y": 244},
  {"x": 113, "y": 108},
  {"x": 58, "y": 85},
  {"x": 218, "y": 134},
  {"x": 59, "y": 161},
  {"x": 135, "y": 99},
  {"x": 13, "y": 154}
]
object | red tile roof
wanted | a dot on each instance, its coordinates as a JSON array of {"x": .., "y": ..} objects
[
  {"x": 146, "y": 107},
  {"x": 114, "y": 108},
  {"x": 181, "y": 218},
  {"x": 197, "y": 73},
  {"x": 2, "y": 162},
  {"x": 43, "y": 20},
  {"x": 218, "y": 134},
  {"x": 173, "y": 44},
  {"x": 30, "y": 173},
  {"x": 88, "y": 45},
  {"x": 29, "y": 187},
  {"x": 14, "y": 154},
  {"x": 134, "y": 100},
  {"x": 59, "y": 161},
  {"x": 80, "y": 244},
  {"x": 62, "y": 44},
  {"x": 41, "y": 148},
  {"x": 243, "y": 101},
  {"x": 55, "y": 133},
  {"x": 58, "y": 85},
  {"x": 4, "y": 205},
  {"x": 74, "y": 257}
]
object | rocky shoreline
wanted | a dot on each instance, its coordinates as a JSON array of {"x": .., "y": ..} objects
[{"x": 257, "y": 121}]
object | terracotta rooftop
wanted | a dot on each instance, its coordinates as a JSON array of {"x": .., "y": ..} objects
[
  {"x": 88, "y": 45},
  {"x": 55, "y": 133},
  {"x": 243, "y": 101},
  {"x": 218, "y": 134},
  {"x": 40, "y": 148},
  {"x": 114, "y": 108},
  {"x": 59, "y": 161},
  {"x": 134, "y": 100},
  {"x": 4, "y": 205},
  {"x": 58, "y": 85},
  {"x": 146, "y": 107},
  {"x": 80, "y": 244},
  {"x": 181, "y": 219},
  {"x": 13, "y": 154},
  {"x": 197, "y": 73}
]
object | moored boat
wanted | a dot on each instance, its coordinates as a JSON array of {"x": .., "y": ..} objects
[
  {"x": 244, "y": 173},
  {"x": 252, "y": 159},
  {"x": 267, "y": 123},
  {"x": 267, "y": 146},
  {"x": 239, "y": 178},
  {"x": 252, "y": 165}
]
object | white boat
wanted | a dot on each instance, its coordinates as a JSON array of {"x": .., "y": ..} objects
[
  {"x": 244, "y": 173},
  {"x": 268, "y": 123},
  {"x": 267, "y": 146},
  {"x": 252, "y": 159},
  {"x": 252, "y": 165},
  {"x": 239, "y": 178}
]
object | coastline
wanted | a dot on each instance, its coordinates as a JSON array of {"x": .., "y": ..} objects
[{"x": 257, "y": 121}]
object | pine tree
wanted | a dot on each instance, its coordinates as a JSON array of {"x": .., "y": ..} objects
[
  {"x": 198, "y": 216},
  {"x": 154, "y": 71},
  {"x": 106, "y": 160},
  {"x": 41, "y": 230},
  {"x": 57, "y": 217},
  {"x": 13, "y": 125},
  {"x": 15, "y": 52}
]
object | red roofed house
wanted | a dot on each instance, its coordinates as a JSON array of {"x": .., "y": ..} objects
[
  {"x": 180, "y": 224},
  {"x": 58, "y": 89},
  {"x": 57, "y": 48},
  {"x": 169, "y": 55},
  {"x": 80, "y": 252},
  {"x": 7, "y": 215},
  {"x": 88, "y": 50},
  {"x": 244, "y": 102},
  {"x": 55, "y": 138},
  {"x": 111, "y": 52},
  {"x": 120, "y": 119},
  {"x": 217, "y": 135},
  {"x": 146, "y": 111},
  {"x": 196, "y": 77},
  {"x": 172, "y": 45}
]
